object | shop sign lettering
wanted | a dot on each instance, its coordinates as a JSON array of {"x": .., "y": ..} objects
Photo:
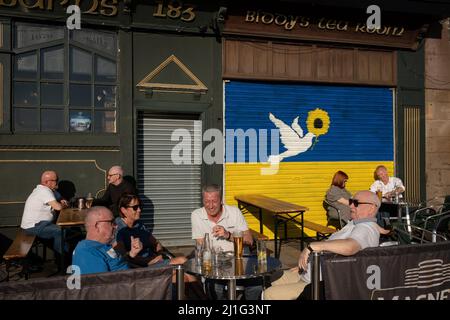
[
  {"x": 289, "y": 22},
  {"x": 96, "y": 7}
]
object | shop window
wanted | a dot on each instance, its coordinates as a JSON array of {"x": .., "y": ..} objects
[{"x": 63, "y": 80}]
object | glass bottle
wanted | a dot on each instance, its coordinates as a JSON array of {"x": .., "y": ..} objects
[{"x": 207, "y": 265}]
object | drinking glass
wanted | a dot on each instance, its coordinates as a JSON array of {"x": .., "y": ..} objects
[
  {"x": 238, "y": 244},
  {"x": 261, "y": 250}
]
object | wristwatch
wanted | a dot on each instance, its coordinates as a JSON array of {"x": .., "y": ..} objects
[{"x": 309, "y": 248}]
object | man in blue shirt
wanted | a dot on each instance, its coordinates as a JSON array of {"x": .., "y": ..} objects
[{"x": 95, "y": 253}]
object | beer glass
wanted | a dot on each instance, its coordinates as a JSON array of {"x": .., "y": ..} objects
[
  {"x": 261, "y": 251},
  {"x": 238, "y": 244},
  {"x": 379, "y": 194},
  {"x": 239, "y": 267}
]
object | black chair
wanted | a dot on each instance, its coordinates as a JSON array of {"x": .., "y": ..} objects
[{"x": 337, "y": 223}]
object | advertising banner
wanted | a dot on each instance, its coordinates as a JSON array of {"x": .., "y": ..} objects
[{"x": 409, "y": 272}]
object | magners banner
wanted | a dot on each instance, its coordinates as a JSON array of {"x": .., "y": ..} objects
[{"x": 407, "y": 272}]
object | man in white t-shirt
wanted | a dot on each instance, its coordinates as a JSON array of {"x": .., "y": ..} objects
[
  {"x": 388, "y": 186},
  {"x": 220, "y": 221},
  {"x": 359, "y": 233},
  {"x": 38, "y": 213}
]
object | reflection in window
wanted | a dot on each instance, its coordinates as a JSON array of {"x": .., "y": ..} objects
[
  {"x": 105, "y": 97},
  {"x": 27, "y": 34},
  {"x": 80, "y": 65},
  {"x": 102, "y": 41},
  {"x": 25, "y": 94},
  {"x": 25, "y": 66},
  {"x": 105, "y": 121},
  {"x": 52, "y": 63}
]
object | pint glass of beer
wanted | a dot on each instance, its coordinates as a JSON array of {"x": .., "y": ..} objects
[
  {"x": 238, "y": 244},
  {"x": 379, "y": 194}
]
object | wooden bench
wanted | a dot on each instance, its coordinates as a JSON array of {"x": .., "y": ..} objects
[
  {"x": 321, "y": 231},
  {"x": 22, "y": 244}
]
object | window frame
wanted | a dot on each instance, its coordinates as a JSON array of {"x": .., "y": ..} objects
[{"x": 67, "y": 43}]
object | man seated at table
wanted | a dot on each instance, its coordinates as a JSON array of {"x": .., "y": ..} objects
[
  {"x": 361, "y": 232},
  {"x": 116, "y": 187},
  {"x": 220, "y": 221},
  {"x": 95, "y": 253},
  {"x": 389, "y": 187},
  {"x": 39, "y": 211}
]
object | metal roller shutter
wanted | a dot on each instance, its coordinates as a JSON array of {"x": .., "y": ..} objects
[{"x": 169, "y": 192}]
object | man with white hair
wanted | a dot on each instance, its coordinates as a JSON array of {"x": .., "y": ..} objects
[
  {"x": 116, "y": 187},
  {"x": 39, "y": 211},
  {"x": 359, "y": 233}
]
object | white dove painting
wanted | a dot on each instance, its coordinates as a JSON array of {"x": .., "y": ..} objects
[{"x": 292, "y": 138}]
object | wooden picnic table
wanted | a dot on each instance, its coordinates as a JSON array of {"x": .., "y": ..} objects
[{"x": 282, "y": 212}]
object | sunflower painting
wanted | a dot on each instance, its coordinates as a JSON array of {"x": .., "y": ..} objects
[{"x": 318, "y": 122}]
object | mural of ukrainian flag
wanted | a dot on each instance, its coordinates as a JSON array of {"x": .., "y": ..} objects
[{"x": 310, "y": 132}]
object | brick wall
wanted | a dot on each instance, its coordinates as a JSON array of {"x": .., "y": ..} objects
[{"x": 437, "y": 122}]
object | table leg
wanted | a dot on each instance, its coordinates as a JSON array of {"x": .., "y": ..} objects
[
  {"x": 275, "y": 240},
  {"x": 260, "y": 221},
  {"x": 408, "y": 220},
  {"x": 232, "y": 289},
  {"x": 302, "y": 236}
]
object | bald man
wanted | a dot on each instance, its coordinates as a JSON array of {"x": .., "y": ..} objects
[
  {"x": 116, "y": 187},
  {"x": 361, "y": 232},
  {"x": 39, "y": 210},
  {"x": 95, "y": 254}
]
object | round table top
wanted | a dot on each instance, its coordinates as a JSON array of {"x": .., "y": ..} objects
[{"x": 244, "y": 268}]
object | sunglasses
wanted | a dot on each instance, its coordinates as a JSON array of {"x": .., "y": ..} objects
[
  {"x": 135, "y": 207},
  {"x": 356, "y": 202}
]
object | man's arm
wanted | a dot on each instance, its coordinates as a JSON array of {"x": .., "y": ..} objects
[
  {"x": 345, "y": 247},
  {"x": 56, "y": 205}
]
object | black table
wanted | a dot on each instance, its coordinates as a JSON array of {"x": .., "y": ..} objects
[{"x": 234, "y": 269}]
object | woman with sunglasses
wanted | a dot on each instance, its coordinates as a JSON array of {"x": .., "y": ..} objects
[
  {"x": 153, "y": 253},
  {"x": 338, "y": 198},
  {"x": 129, "y": 225}
]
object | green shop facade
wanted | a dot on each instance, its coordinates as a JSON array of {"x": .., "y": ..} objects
[{"x": 143, "y": 78}]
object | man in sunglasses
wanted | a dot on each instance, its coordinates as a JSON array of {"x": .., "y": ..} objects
[
  {"x": 361, "y": 232},
  {"x": 95, "y": 253},
  {"x": 116, "y": 187},
  {"x": 39, "y": 211}
]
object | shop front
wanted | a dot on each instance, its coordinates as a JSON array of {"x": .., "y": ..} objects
[{"x": 314, "y": 91}]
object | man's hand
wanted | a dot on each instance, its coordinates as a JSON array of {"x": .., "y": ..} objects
[
  {"x": 64, "y": 203},
  {"x": 136, "y": 247},
  {"x": 220, "y": 232},
  {"x": 303, "y": 259}
]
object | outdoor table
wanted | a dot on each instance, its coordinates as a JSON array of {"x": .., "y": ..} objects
[
  {"x": 234, "y": 269},
  {"x": 395, "y": 210},
  {"x": 282, "y": 212},
  {"x": 69, "y": 217}
]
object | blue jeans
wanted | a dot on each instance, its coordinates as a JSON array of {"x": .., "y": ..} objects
[{"x": 48, "y": 230}]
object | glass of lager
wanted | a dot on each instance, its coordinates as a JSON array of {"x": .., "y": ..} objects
[{"x": 238, "y": 244}]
